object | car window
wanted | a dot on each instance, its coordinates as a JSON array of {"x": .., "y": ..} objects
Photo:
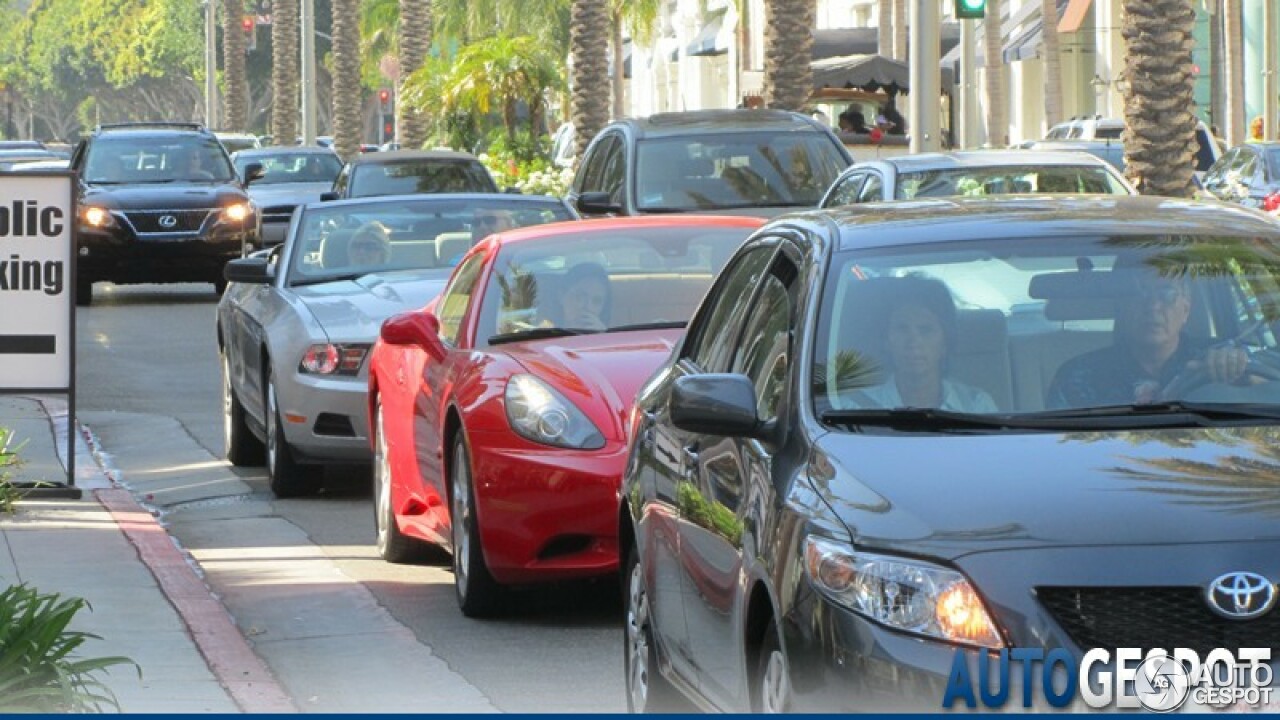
[
  {"x": 1204, "y": 151},
  {"x": 340, "y": 184},
  {"x": 710, "y": 342},
  {"x": 292, "y": 167},
  {"x": 735, "y": 170},
  {"x": 1216, "y": 176},
  {"x": 606, "y": 281},
  {"x": 1273, "y": 165},
  {"x": 420, "y": 176},
  {"x": 764, "y": 351},
  {"x": 614, "y": 173},
  {"x": 457, "y": 297},
  {"x": 157, "y": 160},
  {"x": 593, "y": 168},
  {"x": 846, "y": 190},
  {"x": 873, "y": 190},
  {"x": 1008, "y": 179}
]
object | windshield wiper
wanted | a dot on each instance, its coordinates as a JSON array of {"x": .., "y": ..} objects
[
  {"x": 915, "y": 419},
  {"x": 1207, "y": 411},
  {"x": 331, "y": 278},
  {"x": 541, "y": 333},
  {"x": 663, "y": 325}
]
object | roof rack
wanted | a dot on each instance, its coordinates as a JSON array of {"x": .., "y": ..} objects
[{"x": 150, "y": 124}]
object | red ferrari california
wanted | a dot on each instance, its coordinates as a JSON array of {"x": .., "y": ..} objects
[{"x": 498, "y": 411}]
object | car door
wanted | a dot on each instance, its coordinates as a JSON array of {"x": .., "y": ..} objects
[
  {"x": 873, "y": 190},
  {"x": 725, "y": 470},
  {"x": 710, "y": 336},
  {"x": 249, "y": 308},
  {"x": 431, "y": 403},
  {"x": 590, "y": 177}
]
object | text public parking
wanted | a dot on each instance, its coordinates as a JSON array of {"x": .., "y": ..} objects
[{"x": 27, "y": 219}]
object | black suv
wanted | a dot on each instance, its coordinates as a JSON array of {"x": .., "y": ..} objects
[
  {"x": 158, "y": 203},
  {"x": 747, "y": 162}
]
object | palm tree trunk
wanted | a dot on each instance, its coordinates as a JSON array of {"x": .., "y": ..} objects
[
  {"x": 1217, "y": 68},
  {"x": 588, "y": 26},
  {"x": 347, "y": 128},
  {"x": 1052, "y": 63},
  {"x": 994, "y": 71},
  {"x": 619, "y": 77},
  {"x": 236, "y": 106},
  {"x": 884, "y": 34},
  {"x": 415, "y": 41},
  {"x": 284, "y": 71},
  {"x": 1159, "y": 124},
  {"x": 1233, "y": 38},
  {"x": 900, "y": 30},
  {"x": 788, "y": 52}
]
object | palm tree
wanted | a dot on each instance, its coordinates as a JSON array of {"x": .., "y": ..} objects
[
  {"x": 415, "y": 41},
  {"x": 1159, "y": 135},
  {"x": 788, "y": 52},
  {"x": 347, "y": 88},
  {"x": 1233, "y": 50},
  {"x": 284, "y": 71},
  {"x": 236, "y": 113},
  {"x": 993, "y": 62},
  {"x": 588, "y": 28},
  {"x": 501, "y": 73},
  {"x": 640, "y": 16},
  {"x": 1052, "y": 63}
]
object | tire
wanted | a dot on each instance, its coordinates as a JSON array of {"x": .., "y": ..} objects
[
  {"x": 288, "y": 478},
  {"x": 771, "y": 686},
  {"x": 647, "y": 690},
  {"x": 478, "y": 593},
  {"x": 84, "y": 293},
  {"x": 393, "y": 546},
  {"x": 242, "y": 447}
]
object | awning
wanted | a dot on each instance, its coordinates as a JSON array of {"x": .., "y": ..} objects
[
  {"x": 1074, "y": 16},
  {"x": 708, "y": 41},
  {"x": 866, "y": 72},
  {"x": 1026, "y": 44},
  {"x": 834, "y": 42}
]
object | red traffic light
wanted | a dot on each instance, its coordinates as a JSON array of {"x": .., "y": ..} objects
[
  {"x": 247, "y": 23},
  {"x": 388, "y": 130},
  {"x": 384, "y": 95}
]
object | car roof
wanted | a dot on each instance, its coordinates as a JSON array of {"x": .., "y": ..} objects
[
  {"x": 990, "y": 158},
  {"x": 284, "y": 150},
  {"x": 886, "y": 224},
  {"x": 396, "y": 156},
  {"x": 436, "y": 197},
  {"x": 535, "y": 232},
  {"x": 154, "y": 132},
  {"x": 718, "y": 121}
]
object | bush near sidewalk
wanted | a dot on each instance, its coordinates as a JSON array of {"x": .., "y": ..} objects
[
  {"x": 8, "y": 460},
  {"x": 39, "y": 672}
]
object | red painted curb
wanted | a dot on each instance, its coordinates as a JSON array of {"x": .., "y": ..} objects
[{"x": 245, "y": 676}]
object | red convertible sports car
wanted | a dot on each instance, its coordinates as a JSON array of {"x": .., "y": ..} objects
[{"x": 498, "y": 411}]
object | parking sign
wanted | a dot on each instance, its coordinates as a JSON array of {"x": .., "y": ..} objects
[{"x": 37, "y": 281}]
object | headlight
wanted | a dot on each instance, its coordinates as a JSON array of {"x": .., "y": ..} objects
[
  {"x": 904, "y": 594},
  {"x": 330, "y": 359},
  {"x": 97, "y": 217},
  {"x": 537, "y": 412},
  {"x": 237, "y": 212}
]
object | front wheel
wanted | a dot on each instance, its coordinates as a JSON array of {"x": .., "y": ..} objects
[
  {"x": 288, "y": 478},
  {"x": 393, "y": 545},
  {"x": 478, "y": 593},
  {"x": 647, "y": 690},
  {"x": 773, "y": 675}
]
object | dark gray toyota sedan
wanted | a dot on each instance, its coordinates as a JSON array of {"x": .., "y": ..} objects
[{"x": 897, "y": 430}]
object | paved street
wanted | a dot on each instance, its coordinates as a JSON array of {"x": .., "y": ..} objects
[{"x": 342, "y": 630}]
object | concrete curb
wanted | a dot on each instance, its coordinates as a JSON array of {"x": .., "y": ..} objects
[{"x": 245, "y": 676}]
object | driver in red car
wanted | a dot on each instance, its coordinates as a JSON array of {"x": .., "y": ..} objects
[{"x": 1148, "y": 352}]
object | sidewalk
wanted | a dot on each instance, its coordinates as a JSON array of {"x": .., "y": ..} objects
[{"x": 148, "y": 603}]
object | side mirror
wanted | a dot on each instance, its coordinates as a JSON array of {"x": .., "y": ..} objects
[
  {"x": 418, "y": 328},
  {"x": 597, "y": 203},
  {"x": 255, "y": 270},
  {"x": 253, "y": 171},
  {"x": 329, "y": 195},
  {"x": 715, "y": 404}
]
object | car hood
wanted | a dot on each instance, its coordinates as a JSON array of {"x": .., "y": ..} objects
[
  {"x": 163, "y": 196},
  {"x": 288, "y": 193},
  {"x": 951, "y": 495},
  {"x": 353, "y": 310},
  {"x": 601, "y": 373}
]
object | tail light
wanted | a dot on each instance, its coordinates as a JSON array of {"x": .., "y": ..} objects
[{"x": 1271, "y": 203}]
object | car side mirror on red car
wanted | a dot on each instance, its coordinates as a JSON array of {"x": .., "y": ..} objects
[{"x": 417, "y": 328}]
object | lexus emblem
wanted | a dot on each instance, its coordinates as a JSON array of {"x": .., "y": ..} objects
[
  {"x": 168, "y": 221},
  {"x": 1241, "y": 595}
]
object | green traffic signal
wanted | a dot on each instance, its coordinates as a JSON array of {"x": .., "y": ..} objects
[{"x": 970, "y": 9}]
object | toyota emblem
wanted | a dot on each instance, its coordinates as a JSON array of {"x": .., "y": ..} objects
[
  {"x": 168, "y": 221},
  {"x": 1241, "y": 595}
]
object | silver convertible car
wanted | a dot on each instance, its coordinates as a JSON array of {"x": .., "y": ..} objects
[{"x": 297, "y": 321}]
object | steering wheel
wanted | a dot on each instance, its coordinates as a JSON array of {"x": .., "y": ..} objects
[{"x": 1264, "y": 364}]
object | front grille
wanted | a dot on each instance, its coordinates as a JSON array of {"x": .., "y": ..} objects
[
  {"x": 278, "y": 213},
  {"x": 1154, "y": 617},
  {"x": 149, "y": 221}
]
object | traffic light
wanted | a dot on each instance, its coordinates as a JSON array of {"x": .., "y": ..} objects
[
  {"x": 384, "y": 100},
  {"x": 250, "y": 25},
  {"x": 971, "y": 9},
  {"x": 388, "y": 130}
]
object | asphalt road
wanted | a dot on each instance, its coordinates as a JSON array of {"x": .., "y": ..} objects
[{"x": 342, "y": 630}]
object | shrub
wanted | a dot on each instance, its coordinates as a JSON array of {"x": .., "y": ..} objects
[
  {"x": 8, "y": 459},
  {"x": 38, "y": 670}
]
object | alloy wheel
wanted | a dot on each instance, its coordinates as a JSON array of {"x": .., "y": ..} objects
[
  {"x": 226, "y": 402},
  {"x": 382, "y": 480},
  {"x": 775, "y": 693},
  {"x": 638, "y": 640},
  {"x": 461, "y": 517},
  {"x": 273, "y": 428}
]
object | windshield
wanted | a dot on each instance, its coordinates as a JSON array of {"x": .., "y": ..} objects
[
  {"x": 735, "y": 170},
  {"x": 349, "y": 240},
  {"x": 1053, "y": 324},
  {"x": 157, "y": 160},
  {"x": 1010, "y": 179},
  {"x": 420, "y": 176},
  {"x": 1273, "y": 165},
  {"x": 293, "y": 167},
  {"x": 610, "y": 280}
]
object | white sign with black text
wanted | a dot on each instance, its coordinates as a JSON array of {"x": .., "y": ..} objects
[{"x": 36, "y": 289}]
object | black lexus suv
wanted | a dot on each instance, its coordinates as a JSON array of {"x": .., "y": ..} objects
[{"x": 158, "y": 203}]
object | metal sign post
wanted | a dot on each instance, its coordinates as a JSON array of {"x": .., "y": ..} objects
[{"x": 37, "y": 292}]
